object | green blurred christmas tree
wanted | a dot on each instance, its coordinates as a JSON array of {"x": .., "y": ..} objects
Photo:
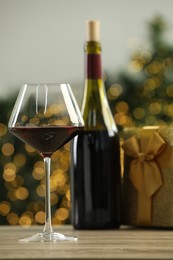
[{"x": 144, "y": 95}]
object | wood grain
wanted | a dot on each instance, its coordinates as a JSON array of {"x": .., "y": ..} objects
[{"x": 125, "y": 243}]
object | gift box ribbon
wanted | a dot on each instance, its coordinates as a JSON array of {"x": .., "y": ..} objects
[{"x": 144, "y": 171}]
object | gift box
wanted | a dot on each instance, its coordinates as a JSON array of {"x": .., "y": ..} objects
[{"x": 148, "y": 177}]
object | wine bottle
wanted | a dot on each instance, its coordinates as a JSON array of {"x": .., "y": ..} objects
[{"x": 95, "y": 164}]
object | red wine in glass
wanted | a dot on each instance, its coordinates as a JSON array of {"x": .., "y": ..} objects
[
  {"x": 46, "y": 140},
  {"x": 46, "y": 116}
]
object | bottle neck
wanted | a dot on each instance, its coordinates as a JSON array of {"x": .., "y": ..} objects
[
  {"x": 95, "y": 108},
  {"x": 93, "y": 66}
]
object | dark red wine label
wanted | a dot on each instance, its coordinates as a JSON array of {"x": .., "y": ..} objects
[{"x": 93, "y": 66}]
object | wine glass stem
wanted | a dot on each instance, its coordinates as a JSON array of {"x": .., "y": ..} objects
[{"x": 48, "y": 225}]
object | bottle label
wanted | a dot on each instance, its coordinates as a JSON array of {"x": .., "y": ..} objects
[{"x": 93, "y": 66}]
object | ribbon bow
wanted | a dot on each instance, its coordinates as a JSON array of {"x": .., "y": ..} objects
[{"x": 144, "y": 171}]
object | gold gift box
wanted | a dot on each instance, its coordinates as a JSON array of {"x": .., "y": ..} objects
[{"x": 148, "y": 177}]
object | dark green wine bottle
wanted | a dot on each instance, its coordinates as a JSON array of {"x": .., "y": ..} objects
[{"x": 95, "y": 165}]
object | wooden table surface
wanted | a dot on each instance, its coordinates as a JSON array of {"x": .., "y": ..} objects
[{"x": 125, "y": 243}]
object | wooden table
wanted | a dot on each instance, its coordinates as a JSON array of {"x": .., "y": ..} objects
[{"x": 125, "y": 243}]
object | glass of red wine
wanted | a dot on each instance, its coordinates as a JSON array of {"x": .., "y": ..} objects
[{"x": 46, "y": 116}]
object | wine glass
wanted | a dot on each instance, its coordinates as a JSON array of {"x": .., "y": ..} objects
[{"x": 46, "y": 116}]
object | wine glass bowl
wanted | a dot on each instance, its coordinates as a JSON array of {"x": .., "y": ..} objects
[{"x": 46, "y": 116}]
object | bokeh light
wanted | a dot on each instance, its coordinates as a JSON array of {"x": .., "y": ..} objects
[
  {"x": 3, "y": 129},
  {"x": 4, "y": 208},
  {"x": 114, "y": 91},
  {"x": 12, "y": 218},
  {"x": 7, "y": 149},
  {"x": 40, "y": 217}
]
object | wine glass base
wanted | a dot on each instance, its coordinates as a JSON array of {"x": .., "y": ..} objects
[{"x": 48, "y": 237}]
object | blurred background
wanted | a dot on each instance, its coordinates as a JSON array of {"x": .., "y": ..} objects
[{"x": 42, "y": 41}]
